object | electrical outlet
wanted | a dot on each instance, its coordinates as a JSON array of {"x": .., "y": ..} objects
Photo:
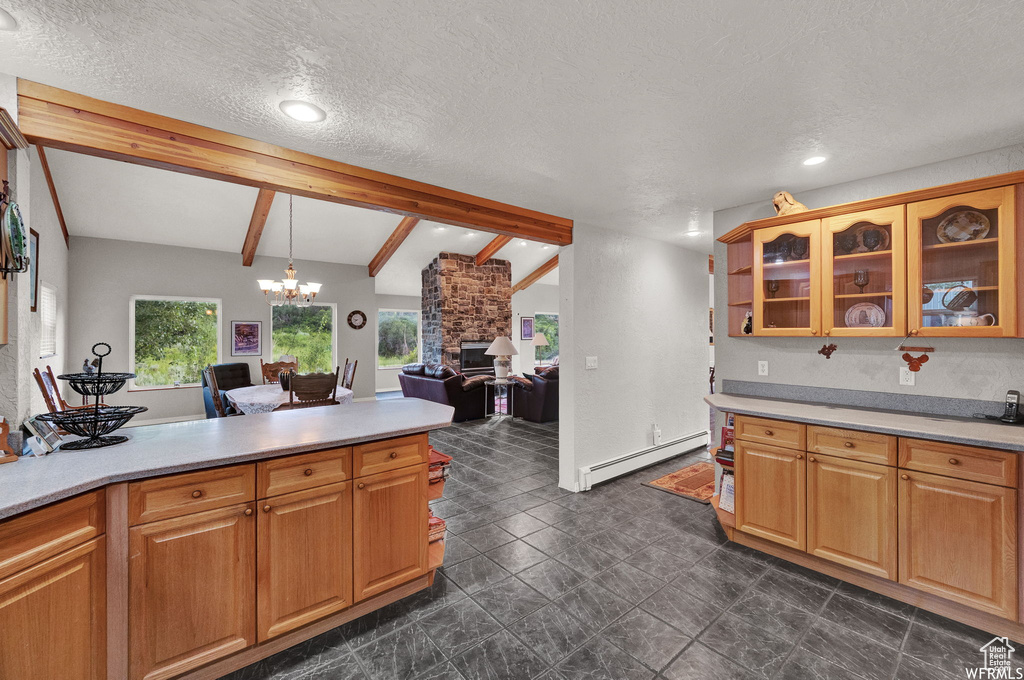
[
  {"x": 591, "y": 363},
  {"x": 762, "y": 368},
  {"x": 657, "y": 434},
  {"x": 906, "y": 376}
]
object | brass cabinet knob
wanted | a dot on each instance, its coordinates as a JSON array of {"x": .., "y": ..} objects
[
  {"x": 248, "y": 512},
  {"x": 394, "y": 454},
  {"x": 848, "y": 445},
  {"x": 768, "y": 433},
  {"x": 814, "y": 332},
  {"x": 799, "y": 456},
  {"x": 266, "y": 508},
  {"x": 827, "y": 333},
  {"x": 914, "y": 331},
  {"x": 197, "y": 493},
  {"x": 361, "y": 485},
  {"x": 307, "y": 471},
  {"x": 904, "y": 476},
  {"x": 954, "y": 461}
]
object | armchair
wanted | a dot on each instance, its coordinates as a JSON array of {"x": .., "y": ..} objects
[
  {"x": 536, "y": 398},
  {"x": 228, "y": 377}
]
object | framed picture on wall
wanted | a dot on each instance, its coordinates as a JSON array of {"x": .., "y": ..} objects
[
  {"x": 33, "y": 268},
  {"x": 526, "y": 328},
  {"x": 246, "y": 338}
]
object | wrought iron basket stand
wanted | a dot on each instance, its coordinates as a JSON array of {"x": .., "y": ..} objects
[{"x": 97, "y": 421}]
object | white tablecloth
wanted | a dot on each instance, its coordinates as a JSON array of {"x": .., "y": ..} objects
[{"x": 266, "y": 398}]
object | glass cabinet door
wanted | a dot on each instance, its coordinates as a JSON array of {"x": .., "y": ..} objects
[
  {"x": 960, "y": 269},
  {"x": 863, "y": 282},
  {"x": 787, "y": 298}
]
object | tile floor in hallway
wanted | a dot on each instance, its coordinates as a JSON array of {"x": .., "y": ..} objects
[{"x": 623, "y": 582}]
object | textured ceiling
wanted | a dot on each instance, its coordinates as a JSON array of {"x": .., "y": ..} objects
[
  {"x": 110, "y": 199},
  {"x": 638, "y": 116}
]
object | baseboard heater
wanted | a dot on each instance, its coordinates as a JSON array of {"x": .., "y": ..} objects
[{"x": 621, "y": 465}]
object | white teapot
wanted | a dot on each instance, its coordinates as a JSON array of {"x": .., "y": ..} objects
[{"x": 968, "y": 318}]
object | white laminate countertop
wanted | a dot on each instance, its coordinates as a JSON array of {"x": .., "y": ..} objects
[
  {"x": 180, "y": 447},
  {"x": 969, "y": 431}
]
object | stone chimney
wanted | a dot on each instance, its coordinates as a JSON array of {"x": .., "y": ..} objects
[{"x": 462, "y": 301}]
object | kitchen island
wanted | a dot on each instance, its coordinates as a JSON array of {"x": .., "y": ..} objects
[{"x": 198, "y": 548}]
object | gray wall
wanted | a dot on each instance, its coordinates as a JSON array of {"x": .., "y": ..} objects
[
  {"x": 970, "y": 368},
  {"x": 104, "y": 274},
  {"x": 386, "y": 379}
]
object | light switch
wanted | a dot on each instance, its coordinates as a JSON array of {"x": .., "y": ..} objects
[{"x": 591, "y": 363}]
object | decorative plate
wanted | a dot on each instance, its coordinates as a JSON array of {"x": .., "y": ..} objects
[
  {"x": 859, "y": 233},
  {"x": 965, "y": 225},
  {"x": 357, "y": 319},
  {"x": 865, "y": 315},
  {"x": 14, "y": 239}
]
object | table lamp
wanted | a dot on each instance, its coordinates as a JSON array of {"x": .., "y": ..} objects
[
  {"x": 502, "y": 350},
  {"x": 538, "y": 341}
]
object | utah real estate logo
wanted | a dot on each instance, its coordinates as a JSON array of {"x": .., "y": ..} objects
[{"x": 997, "y": 662}]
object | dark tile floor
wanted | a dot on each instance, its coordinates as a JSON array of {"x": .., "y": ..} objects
[{"x": 618, "y": 583}]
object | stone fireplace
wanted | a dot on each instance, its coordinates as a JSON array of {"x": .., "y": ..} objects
[{"x": 464, "y": 302}]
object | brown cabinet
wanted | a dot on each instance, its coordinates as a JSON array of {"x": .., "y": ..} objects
[
  {"x": 851, "y": 514},
  {"x": 771, "y": 493},
  {"x": 176, "y": 495},
  {"x": 192, "y": 590},
  {"x": 787, "y": 279},
  {"x": 389, "y": 454},
  {"x": 305, "y": 557},
  {"x": 389, "y": 529},
  {"x": 53, "y": 617},
  {"x": 773, "y": 432},
  {"x": 958, "y": 539}
]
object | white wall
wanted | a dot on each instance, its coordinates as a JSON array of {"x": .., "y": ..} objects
[
  {"x": 387, "y": 378},
  {"x": 103, "y": 275},
  {"x": 541, "y": 298},
  {"x": 640, "y": 307},
  {"x": 973, "y": 368}
]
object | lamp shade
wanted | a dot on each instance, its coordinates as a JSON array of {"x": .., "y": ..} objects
[
  {"x": 501, "y": 347},
  {"x": 539, "y": 340}
]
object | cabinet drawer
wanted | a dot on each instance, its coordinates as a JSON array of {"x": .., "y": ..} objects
[
  {"x": 774, "y": 432},
  {"x": 28, "y": 539},
  {"x": 389, "y": 454},
  {"x": 305, "y": 471},
  {"x": 852, "y": 444},
  {"x": 962, "y": 462},
  {"x": 177, "y": 495}
]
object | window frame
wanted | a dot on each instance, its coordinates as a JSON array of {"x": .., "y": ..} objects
[
  {"x": 43, "y": 285},
  {"x": 170, "y": 298},
  {"x": 419, "y": 336},
  {"x": 537, "y": 362},
  {"x": 334, "y": 333}
]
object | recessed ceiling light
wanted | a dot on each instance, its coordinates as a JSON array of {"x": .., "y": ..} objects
[
  {"x": 440, "y": 228},
  {"x": 545, "y": 246},
  {"x": 303, "y": 111},
  {"x": 814, "y": 160},
  {"x": 7, "y": 21},
  {"x": 691, "y": 233},
  {"x": 522, "y": 243}
]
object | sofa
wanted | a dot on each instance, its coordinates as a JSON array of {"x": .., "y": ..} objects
[
  {"x": 229, "y": 376},
  {"x": 536, "y": 396},
  {"x": 444, "y": 385}
]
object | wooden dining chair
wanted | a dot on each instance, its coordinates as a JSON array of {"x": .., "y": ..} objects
[
  {"x": 51, "y": 392},
  {"x": 312, "y": 389},
  {"x": 272, "y": 372},
  {"x": 211, "y": 381},
  {"x": 349, "y": 376}
]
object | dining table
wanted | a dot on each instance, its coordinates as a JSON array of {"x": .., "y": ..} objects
[{"x": 266, "y": 398}]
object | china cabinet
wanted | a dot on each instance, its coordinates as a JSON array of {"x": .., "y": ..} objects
[{"x": 787, "y": 296}]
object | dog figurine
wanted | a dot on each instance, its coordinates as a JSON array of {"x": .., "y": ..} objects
[{"x": 785, "y": 204}]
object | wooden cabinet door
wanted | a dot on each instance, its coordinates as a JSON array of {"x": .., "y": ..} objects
[
  {"x": 864, "y": 285},
  {"x": 851, "y": 514},
  {"x": 963, "y": 244},
  {"x": 305, "y": 557},
  {"x": 389, "y": 530},
  {"x": 192, "y": 590},
  {"x": 958, "y": 539},
  {"x": 787, "y": 279},
  {"x": 771, "y": 493},
  {"x": 53, "y": 618}
]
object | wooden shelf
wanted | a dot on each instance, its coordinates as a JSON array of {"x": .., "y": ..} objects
[
  {"x": 876, "y": 254},
  {"x": 435, "y": 554},
  {"x": 741, "y": 303},
  {"x": 786, "y": 265},
  {"x": 789, "y": 299},
  {"x": 726, "y": 519},
  {"x": 848, "y": 296},
  {"x": 963, "y": 244},
  {"x": 742, "y": 270}
]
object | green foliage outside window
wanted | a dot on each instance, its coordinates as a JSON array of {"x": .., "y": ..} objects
[
  {"x": 174, "y": 341},
  {"x": 306, "y": 333},
  {"x": 548, "y": 325},
  {"x": 397, "y": 338}
]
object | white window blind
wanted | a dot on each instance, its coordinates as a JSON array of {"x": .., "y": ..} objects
[{"x": 48, "y": 315}]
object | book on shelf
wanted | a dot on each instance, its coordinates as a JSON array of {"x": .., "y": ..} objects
[{"x": 727, "y": 497}]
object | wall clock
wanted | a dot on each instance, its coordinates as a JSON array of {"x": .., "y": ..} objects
[{"x": 357, "y": 319}]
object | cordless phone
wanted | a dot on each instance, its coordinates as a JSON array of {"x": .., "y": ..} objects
[{"x": 1012, "y": 412}]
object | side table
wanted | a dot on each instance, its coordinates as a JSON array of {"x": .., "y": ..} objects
[{"x": 502, "y": 394}]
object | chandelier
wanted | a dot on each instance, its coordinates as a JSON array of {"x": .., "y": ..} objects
[{"x": 289, "y": 291}]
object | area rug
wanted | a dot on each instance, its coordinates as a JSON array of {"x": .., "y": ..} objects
[{"x": 696, "y": 482}]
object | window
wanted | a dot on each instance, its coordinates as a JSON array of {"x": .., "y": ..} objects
[
  {"x": 398, "y": 338},
  {"x": 548, "y": 325},
  {"x": 48, "y": 316},
  {"x": 173, "y": 339},
  {"x": 307, "y": 333}
]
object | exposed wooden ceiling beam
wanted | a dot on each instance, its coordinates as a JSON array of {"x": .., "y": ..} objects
[
  {"x": 491, "y": 249},
  {"x": 400, "y": 233},
  {"x": 536, "y": 275},
  {"x": 264, "y": 200},
  {"x": 45, "y": 165},
  {"x": 64, "y": 120}
]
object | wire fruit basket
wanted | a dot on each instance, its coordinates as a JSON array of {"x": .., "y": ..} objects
[{"x": 95, "y": 422}]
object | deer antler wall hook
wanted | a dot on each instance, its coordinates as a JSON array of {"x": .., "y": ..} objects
[
  {"x": 826, "y": 350},
  {"x": 915, "y": 362}
]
